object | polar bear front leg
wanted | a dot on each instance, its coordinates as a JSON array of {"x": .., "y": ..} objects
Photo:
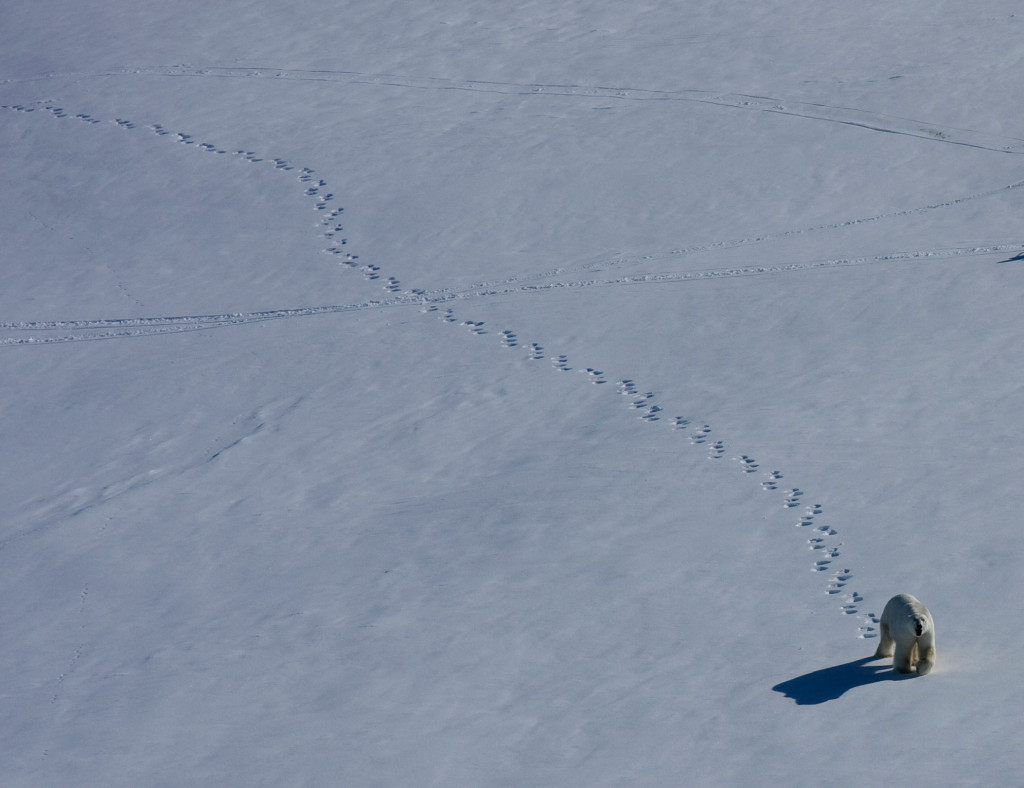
[
  {"x": 926, "y": 649},
  {"x": 905, "y": 657},
  {"x": 886, "y": 644}
]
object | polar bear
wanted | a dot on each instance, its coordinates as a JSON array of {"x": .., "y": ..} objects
[{"x": 907, "y": 625}]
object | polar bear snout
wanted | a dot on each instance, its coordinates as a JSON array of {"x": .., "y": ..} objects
[{"x": 918, "y": 627}]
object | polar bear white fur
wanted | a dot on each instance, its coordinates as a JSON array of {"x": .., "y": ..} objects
[{"x": 908, "y": 630}]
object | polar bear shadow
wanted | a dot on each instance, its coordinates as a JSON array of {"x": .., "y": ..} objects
[{"x": 827, "y": 684}]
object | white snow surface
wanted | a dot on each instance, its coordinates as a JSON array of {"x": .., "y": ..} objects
[{"x": 475, "y": 394}]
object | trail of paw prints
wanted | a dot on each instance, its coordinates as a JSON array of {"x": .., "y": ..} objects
[
  {"x": 314, "y": 188},
  {"x": 508, "y": 338},
  {"x": 869, "y": 626},
  {"x": 76, "y": 655},
  {"x": 826, "y": 550},
  {"x": 822, "y": 539}
]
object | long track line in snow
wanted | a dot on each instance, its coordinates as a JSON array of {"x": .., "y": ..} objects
[
  {"x": 823, "y": 539},
  {"x": 817, "y": 111}
]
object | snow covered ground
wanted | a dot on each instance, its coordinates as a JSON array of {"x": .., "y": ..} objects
[{"x": 404, "y": 395}]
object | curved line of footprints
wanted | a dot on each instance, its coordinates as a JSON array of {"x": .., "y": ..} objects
[{"x": 822, "y": 539}]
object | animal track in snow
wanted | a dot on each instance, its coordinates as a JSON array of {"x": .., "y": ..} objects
[
  {"x": 700, "y": 436},
  {"x": 627, "y": 388},
  {"x": 76, "y": 655},
  {"x": 317, "y": 192},
  {"x": 792, "y": 498},
  {"x": 809, "y": 513},
  {"x": 642, "y": 401},
  {"x": 865, "y": 120},
  {"x": 839, "y": 580},
  {"x": 868, "y": 628},
  {"x": 850, "y": 608},
  {"x": 652, "y": 413},
  {"x": 746, "y": 463}
]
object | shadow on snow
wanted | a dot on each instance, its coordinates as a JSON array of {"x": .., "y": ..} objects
[{"x": 830, "y": 683}]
